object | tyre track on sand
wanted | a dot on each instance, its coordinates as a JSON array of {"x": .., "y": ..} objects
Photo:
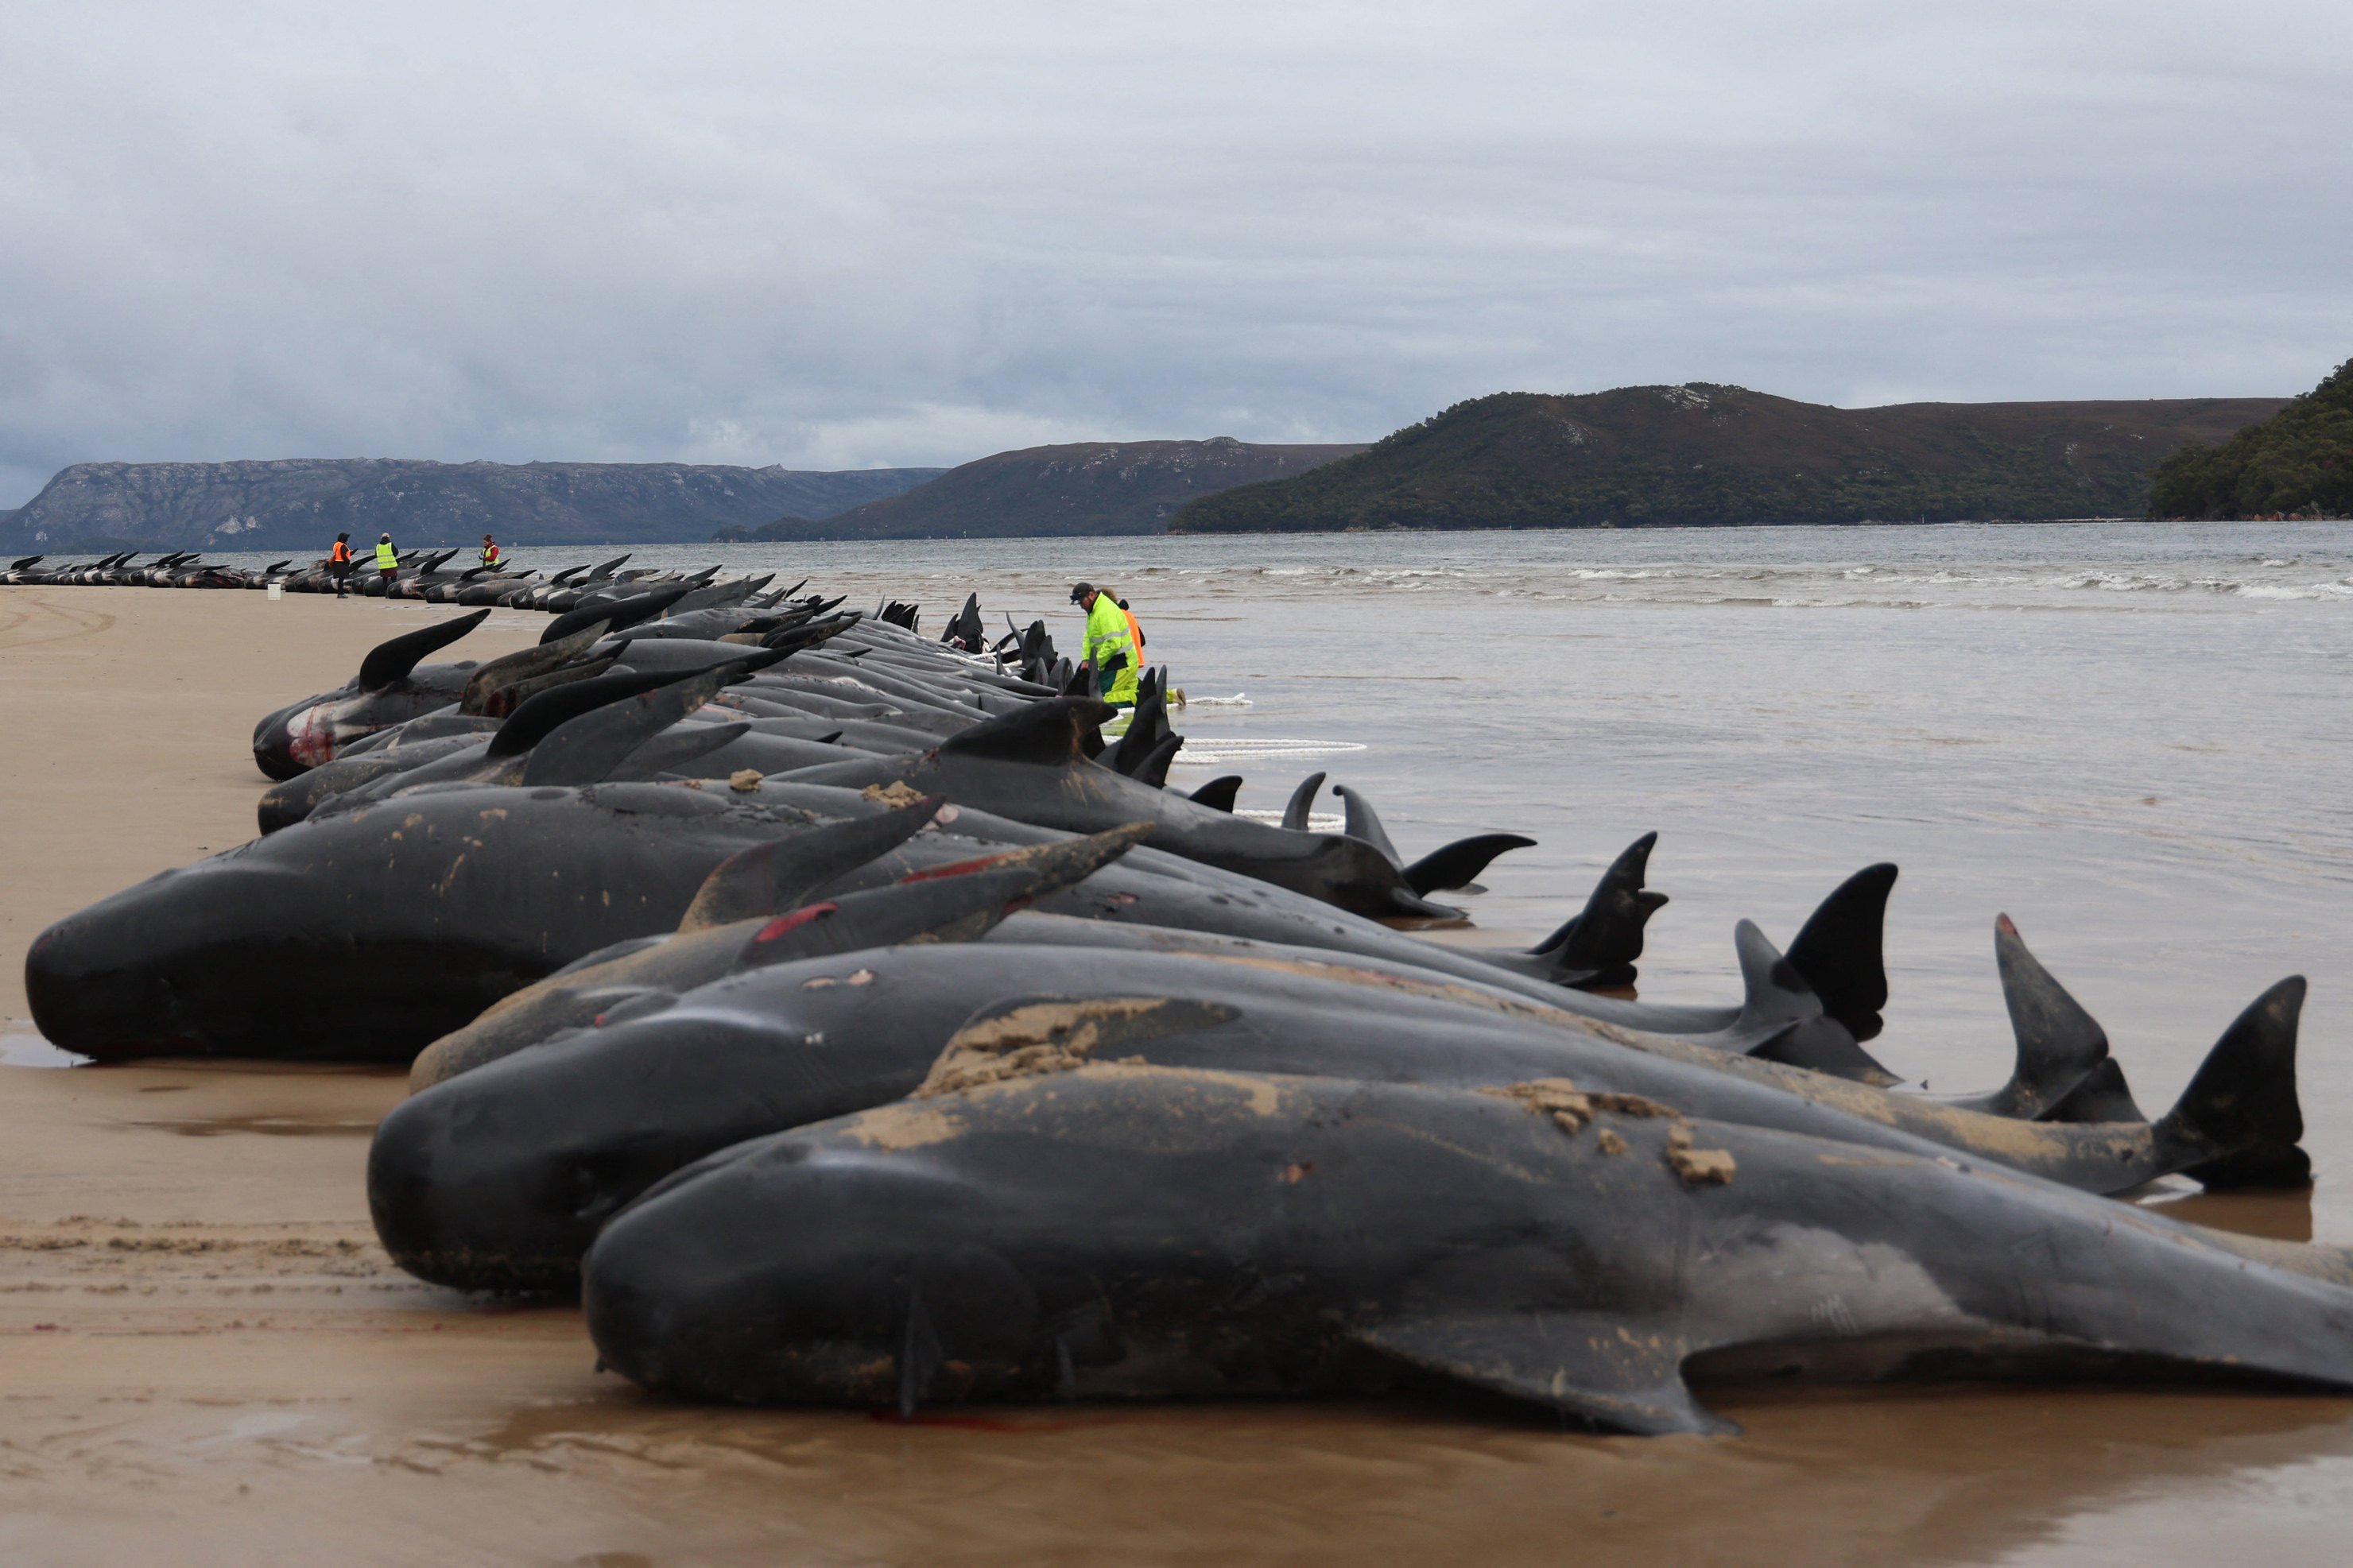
[{"x": 23, "y": 623}]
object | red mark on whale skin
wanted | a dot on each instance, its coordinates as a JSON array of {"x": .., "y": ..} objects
[
  {"x": 310, "y": 737},
  {"x": 959, "y": 869},
  {"x": 799, "y": 918}
]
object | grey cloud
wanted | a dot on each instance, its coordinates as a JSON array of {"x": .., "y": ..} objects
[{"x": 914, "y": 234}]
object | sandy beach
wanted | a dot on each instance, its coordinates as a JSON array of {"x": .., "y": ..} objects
[{"x": 205, "y": 1357}]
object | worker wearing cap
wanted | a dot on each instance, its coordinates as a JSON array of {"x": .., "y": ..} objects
[{"x": 1110, "y": 645}]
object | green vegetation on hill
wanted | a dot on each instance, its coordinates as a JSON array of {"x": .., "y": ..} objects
[
  {"x": 1703, "y": 455},
  {"x": 2298, "y": 462}
]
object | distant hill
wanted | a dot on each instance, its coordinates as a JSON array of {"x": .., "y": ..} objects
[
  {"x": 2298, "y": 462},
  {"x": 299, "y": 504},
  {"x": 1096, "y": 488},
  {"x": 1702, "y": 455}
]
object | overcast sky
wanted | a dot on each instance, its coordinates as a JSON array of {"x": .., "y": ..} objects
[{"x": 842, "y": 236}]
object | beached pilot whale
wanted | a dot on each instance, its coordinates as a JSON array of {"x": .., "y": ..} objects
[
  {"x": 1141, "y": 1233},
  {"x": 498, "y": 1177},
  {"x": 390, "y": 686}
]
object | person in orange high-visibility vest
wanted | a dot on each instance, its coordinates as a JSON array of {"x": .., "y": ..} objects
[
  {"x": 339, "y": 562},
  {"x": 1134, "y": 628}
]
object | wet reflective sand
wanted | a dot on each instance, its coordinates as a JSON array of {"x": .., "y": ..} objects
[{"x": 205, "y": 1358}]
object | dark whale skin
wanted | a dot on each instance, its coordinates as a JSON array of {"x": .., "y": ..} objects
[
  {"x": 1125, "y": 1233},
  {"x": 499, "y": 1176},
  {"x": 361, "y": 935}
]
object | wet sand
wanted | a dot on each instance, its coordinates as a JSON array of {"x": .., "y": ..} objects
[{"x": 203, "y": 1356}]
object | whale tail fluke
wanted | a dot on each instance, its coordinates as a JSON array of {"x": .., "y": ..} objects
[
  {"x": 1219, "y": 794},
  {"x": 1840, "y": 949},
  {"x": 2240, "y": 1123},
  {"x": 1597, "y": 949},
  {"x": 1457, "y": 864}
]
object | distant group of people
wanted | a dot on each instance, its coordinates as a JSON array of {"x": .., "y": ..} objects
[
  {"x": 340, "y": 562},
  {"x": 1115, "y": 642}
]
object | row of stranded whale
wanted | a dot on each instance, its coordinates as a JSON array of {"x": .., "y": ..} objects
[{"x": 848, "y": 1021}]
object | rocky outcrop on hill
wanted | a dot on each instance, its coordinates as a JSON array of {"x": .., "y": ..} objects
[
  {"x": 1095, "y": 488},
  {"x": 1704, "y": 455},
  {"x": 303, "y": 503}
]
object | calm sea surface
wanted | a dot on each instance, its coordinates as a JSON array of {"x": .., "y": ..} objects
[{"x": 2133, "y": 741}]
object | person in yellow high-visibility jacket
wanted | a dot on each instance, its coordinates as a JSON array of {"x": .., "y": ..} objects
[{"x": 1110, "y": 645}]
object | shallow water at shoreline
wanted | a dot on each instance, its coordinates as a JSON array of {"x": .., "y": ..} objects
[{"x": 2134, "y": 742}]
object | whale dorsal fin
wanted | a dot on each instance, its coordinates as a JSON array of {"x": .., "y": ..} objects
[
  {"x": 2102, "y": 1096},
  {"x": 1779, "y": 1006},
  {"x": 1302, "y": 802},
  {"x": 769, "y": 878},
  {"x": 390, "y": 661},
  {"x": 1597, "y": 948},
  {"x": 1219, "y": 793},
  {"x": 1840, "y": 950},
  {"x": 584, "y": 749},
  {"x": 674, "y": 748},
  {"x": 1051, "y": 734},
  {"x": 1599, "y": 1367},
  {"x": 1362, "y": 822},
  {"x": 1457, "y": 864},
  {"x": 958, "y": 903},
  {"x": 2059, "y": 1043},
  {"x": 524, "y": 663}
]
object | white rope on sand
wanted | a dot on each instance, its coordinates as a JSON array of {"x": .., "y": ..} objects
[
  {"x": 1216, "y": 751},
  {"x": 1317, "y": 822}
]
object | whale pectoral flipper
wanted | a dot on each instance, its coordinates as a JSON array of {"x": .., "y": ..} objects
[{"x": 1619, "y": 1373}]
